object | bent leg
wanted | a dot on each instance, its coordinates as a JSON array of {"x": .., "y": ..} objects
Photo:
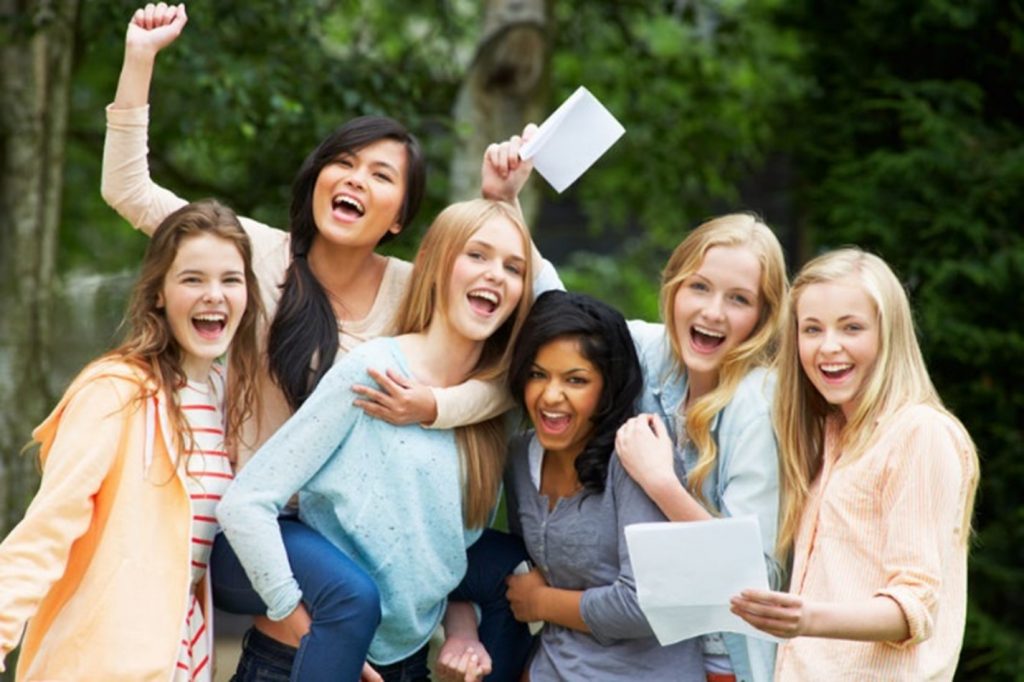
[
  {"x": 490, "y": 560},
  {"x": 341, "y": 598}
]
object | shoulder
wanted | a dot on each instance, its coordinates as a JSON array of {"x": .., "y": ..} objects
[
  {"x": 923, "y": 427},
  {"x": 397, "y": 275},
  {"x": 104, "y": 387},
  {"x": 754, "y": 392},
  {"x": 654, "y": 351}
]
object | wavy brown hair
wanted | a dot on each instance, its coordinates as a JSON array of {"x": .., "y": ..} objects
[
  {"x": 149, "y": 342},
  {"x": 482, "y": 446},
  {"x": 736, "y": 230}
]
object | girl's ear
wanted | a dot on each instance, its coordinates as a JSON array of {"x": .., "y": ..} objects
[
  {"x": 396, "y": 228},
  {"x": 159, "y": 300}
]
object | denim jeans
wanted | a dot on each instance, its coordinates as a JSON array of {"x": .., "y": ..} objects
[
  {"x": 509, "y": 643},
  {"x": 411, "y": 669},
  {"x": 264, "y": 659},
  {"x": 342, "y": 600}
]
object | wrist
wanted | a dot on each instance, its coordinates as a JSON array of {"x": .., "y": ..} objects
[{"x": 139, "y": 53}]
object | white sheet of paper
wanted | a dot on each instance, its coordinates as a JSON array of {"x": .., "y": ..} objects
[
  {"x": 686, "y": 573},
  {"x": 572, "y": 139}
]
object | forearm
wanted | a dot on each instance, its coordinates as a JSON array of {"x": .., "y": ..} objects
[
  {"x": 878, "y": 619},
  {"x": 674, "y": 501},
  {"x": 136, "y": 76},
  {"x": 460, "y": 620},
  {"x": 561, "y": 607}
]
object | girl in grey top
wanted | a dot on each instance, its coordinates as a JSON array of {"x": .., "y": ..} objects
[{"x": 576, "y": 375}]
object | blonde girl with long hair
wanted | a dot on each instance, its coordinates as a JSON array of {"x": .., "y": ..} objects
[
  {"x": 703, "y": 445},
  {"x": 878, "y": 482},
  {"x": 402, "y": 502},
  {"x": 109, "y": 564}
]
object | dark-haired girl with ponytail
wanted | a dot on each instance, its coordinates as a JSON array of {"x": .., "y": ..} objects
[
  {"x": 325, "y": 289},
  {"x": 575, "y": 373}
]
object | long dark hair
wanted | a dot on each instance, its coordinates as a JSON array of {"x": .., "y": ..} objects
[
  {"x": 605, "y": 341},
  {"x": 304, "y": 327}
]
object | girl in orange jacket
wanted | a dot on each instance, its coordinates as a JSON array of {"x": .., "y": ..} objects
[{"x": 109, "y": 562}]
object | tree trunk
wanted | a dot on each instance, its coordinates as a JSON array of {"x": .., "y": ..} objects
[
  {"x": 505, "y": 88},
  {"x": 35, "y": 66}
]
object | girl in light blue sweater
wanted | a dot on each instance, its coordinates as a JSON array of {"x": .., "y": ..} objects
[{"x": 396, "y": 499}]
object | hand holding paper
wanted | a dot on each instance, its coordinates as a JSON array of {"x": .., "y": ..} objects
[
  {"x": 686, "y": 574},
  {"x": 572, "y": 139}
]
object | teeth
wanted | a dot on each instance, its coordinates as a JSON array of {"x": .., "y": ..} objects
[
  {"x": 486, "y": 295},
  {"x": 211, "y": 317},
  {"x": 349, "y": 201},
  {"x": 836, "y": 367},
  {"x": 553, "y": 415},
  {"x": 709, "y": 332}
]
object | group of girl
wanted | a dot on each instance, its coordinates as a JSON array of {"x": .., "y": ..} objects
[{"x": 355, "y": 444}]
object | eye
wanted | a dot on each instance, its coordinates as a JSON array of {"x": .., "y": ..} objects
[
  {"x": 514, "y": 269},
  {"x": 475, "y": 255},
  {"x": 741, "y": 299},
  {"x": 384, "y": 177},
  {"x": 809, "y": 329},
  {"x": 234, "y": 279},
  {"x": 190, "y": 279},
  {"x": 578, "y": 381},
  {"x": 343, "y": 161},
  {"x": 854, "y": 327},
  {"x": 698, "y": 286},
  {"x": 535, "y": 374}
]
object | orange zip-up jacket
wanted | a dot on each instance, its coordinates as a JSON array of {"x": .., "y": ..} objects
[{"x": 101, "y": 561}]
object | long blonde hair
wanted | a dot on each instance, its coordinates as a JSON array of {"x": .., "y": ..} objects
[
  {"x": 899, "y": 378},
  {"x": 735, "y": 230},
  {"x": 482, "y": 446},
  {"x": 149, "y": 342}
]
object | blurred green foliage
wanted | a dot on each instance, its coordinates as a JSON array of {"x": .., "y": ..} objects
[{"x": 892, "y": 124}]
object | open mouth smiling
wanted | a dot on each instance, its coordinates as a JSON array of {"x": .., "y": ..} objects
[
  {"x": 483, "y": 301},
  {"x": 705, "y": 339},
  {"x": 348, "y": 206},
  {"x": 209, "y": 325}
]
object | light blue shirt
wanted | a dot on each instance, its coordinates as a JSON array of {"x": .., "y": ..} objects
[
  {"x": 389, "y": 496},
  {"x": 745, "y": 481}
]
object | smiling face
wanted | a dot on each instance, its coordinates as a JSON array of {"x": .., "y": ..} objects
[
  {"x": 838, "y": 340},
  {"x": 203, "y": 297},
  {"x": 357, "y": 198},
  {"x": 715, "y": 309},
  {"x": 561, "y": 395},
  {"x": 486, "y": 283}
]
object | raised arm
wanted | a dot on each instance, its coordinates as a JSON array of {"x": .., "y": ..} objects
[{"x": 126, "y": 185}]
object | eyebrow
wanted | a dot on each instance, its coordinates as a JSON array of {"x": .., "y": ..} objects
[
  {"x": 573, "y": 370},
  {"x": 193, "y": 271},
  {"x": 374, "y": 163},
  {"x": 490, "y": 247}
]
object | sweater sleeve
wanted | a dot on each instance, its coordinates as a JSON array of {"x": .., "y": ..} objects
[
  {"x": 35, "y": 554},
  {"x": 613, "y": 611},
  {"x": 126, "y": 185},
  {"x": 925, "y": 493},
  {"x": 749, "y": 469},
  {"x": 281, "y": 467}
]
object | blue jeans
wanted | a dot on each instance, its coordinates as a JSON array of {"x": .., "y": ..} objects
[
  {"x": 509, "y": 643},
  {"x": 411, "y": 669},
  {"x": 342, "y": 600}
]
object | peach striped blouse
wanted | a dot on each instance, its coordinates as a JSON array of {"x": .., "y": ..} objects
[{"x": 888, "y": 523}]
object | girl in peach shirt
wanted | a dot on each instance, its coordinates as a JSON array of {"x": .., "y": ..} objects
[{"x": 878, "y": 483}]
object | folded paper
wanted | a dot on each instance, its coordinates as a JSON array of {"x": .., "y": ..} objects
[
  {"x": 687, "y": 572},
  {"x": 572, "y": 139}
]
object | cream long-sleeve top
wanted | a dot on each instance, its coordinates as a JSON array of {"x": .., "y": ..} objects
[
  {"x": 128, "y": 188},
  {"x": 888, "y": 522}
]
